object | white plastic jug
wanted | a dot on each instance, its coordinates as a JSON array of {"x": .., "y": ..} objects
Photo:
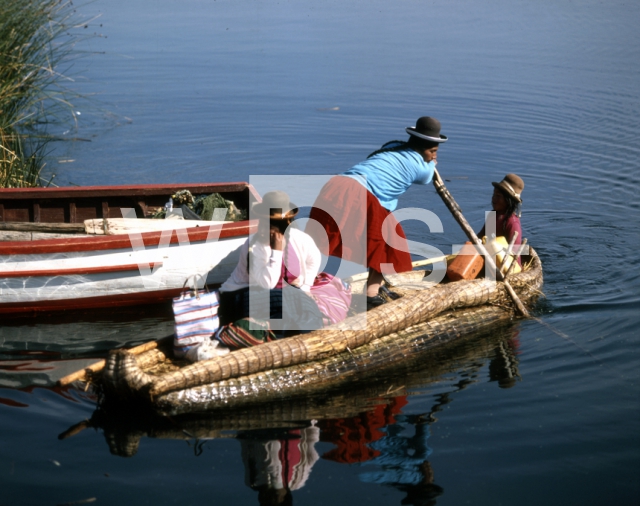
[{"x": 497, "y": 248}]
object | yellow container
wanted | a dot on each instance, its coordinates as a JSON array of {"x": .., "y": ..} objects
[{"x": 497, "y": 248}]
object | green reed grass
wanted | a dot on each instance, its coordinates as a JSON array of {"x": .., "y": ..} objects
[{"x": 37, "y": 40}]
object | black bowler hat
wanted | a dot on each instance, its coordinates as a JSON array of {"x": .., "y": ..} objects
[{"x": 427, "y": 128}]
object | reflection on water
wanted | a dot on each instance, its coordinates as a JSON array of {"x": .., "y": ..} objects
[
  {"x": 278, "y": 462},
  {"x": 40, "y": 351},
  {"x": 401, "y": 455},
  {"x": 28, "y": 370},
  {"x": 370, "y": 427},
  {"x": 92, "y": 334}
]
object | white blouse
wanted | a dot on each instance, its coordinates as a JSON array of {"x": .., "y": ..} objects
[{"x": 266, "y": 264}]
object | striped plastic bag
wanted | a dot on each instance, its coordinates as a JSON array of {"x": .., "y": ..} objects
[{"x": 196, "y": 318}]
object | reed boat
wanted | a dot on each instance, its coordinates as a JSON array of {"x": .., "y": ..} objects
[
  {"x": 125, "y": 431},
  {"x": 350, "y": 352},
  {"x": 71, "y": 248}
]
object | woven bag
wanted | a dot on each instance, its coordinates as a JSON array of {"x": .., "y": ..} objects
[{"x": 244, "y": 333}]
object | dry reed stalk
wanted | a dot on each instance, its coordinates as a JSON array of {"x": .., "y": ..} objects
[
  {"x": 148, "y": 350},
  {"x": 394, "y": 351}
]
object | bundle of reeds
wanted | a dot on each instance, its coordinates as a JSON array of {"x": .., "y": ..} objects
[
  {"x": 425, "y": 365},
  {"x": 344, "y": 352}
]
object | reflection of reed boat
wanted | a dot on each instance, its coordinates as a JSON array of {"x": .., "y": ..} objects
[
  {"x": 124, "y": 429},
  {"x": 49, "y": 261},
  {"x": 344, "y": 353}
]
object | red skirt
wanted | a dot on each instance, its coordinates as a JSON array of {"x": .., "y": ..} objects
[{"x": 350, "y": 223}]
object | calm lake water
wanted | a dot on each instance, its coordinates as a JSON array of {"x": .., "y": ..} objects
[{"x": 198, "y": 91}]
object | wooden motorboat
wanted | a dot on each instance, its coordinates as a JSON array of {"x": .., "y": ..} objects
[
  {"x": 68, "y": 248},
  {"x": 349, "y": 352}
]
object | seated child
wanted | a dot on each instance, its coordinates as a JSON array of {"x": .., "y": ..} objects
[{"x": 506, "y": 201}]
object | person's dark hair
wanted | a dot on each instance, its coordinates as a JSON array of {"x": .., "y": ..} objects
[
  {"x": 390, "y": 146},
  {"x": 273, "y": 496},
  {"x": 281, "y": 225},
  {"x": 418, "y": 144},
  {"x": 415, "y": 143},
  {"x": 513, "y": 206}
]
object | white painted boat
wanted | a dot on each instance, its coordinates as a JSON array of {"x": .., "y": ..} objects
[{"x": 76, "y": 270}]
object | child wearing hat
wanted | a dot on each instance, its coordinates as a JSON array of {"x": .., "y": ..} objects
[
  {"x": 506, "y": 201},
  {"x": 354, "y": 208}
]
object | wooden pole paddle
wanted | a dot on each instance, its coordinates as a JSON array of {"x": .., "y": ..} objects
[{"x": 418, "y": 263}]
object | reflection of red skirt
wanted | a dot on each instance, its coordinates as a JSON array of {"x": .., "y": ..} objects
[
  {"x": 355, "y": 226},
  {"x": 352, "y": 436}
]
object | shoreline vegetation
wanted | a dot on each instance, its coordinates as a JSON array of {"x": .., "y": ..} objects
[{"x": 37, "y": 49}]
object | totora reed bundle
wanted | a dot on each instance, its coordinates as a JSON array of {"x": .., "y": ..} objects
[{"x": 125, "y": 376}]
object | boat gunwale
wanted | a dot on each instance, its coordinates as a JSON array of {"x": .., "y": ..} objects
[
  {"x": 75, "y": 243},
  {"x": 195, "y": 234},
  {"x": 119, "y": 190}
]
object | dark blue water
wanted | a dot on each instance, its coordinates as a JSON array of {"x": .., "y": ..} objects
[{"x": 216, "y": 91}]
